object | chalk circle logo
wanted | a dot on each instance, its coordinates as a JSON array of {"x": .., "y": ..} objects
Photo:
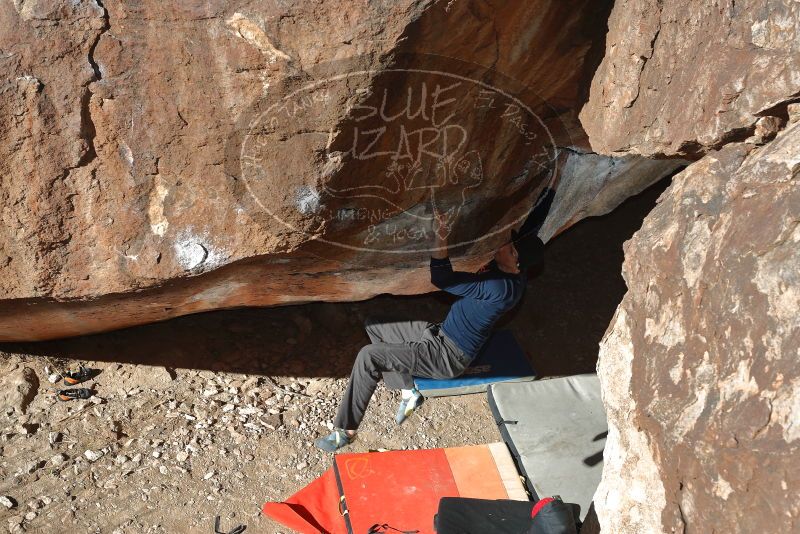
[{"x": 357, "y": 154}]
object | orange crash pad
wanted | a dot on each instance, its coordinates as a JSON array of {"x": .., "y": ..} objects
[{"x": 399, "y": 489}]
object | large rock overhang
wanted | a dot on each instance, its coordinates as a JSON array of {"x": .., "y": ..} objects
[{"x": 167, "y": 160}]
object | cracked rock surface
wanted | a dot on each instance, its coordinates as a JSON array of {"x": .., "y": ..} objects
[
  {"x": 699, "y": 366},
  {"x": 682, "y": 77}
]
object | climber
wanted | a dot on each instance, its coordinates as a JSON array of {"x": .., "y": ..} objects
[{"x": 401, "y": 350}]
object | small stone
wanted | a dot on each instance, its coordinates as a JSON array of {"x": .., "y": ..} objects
[
  {"x": 59, "y": 459},
  {"x": 302, "y": 465},
  {"x": 121, "y": 459},
  {"x": 54, "y": 377},
  {"x": 228, "y": 408},
  {"x": 767, "y": 128},
  {"x": 250, "y": 383},
  {"x": 209, "y": 475},
  {"x": 93, "y": 456},
  {"x": 182, "y": 456},
  {"x": 29, "y": 429},
  {"x": 315, "y": 386},
  {"x": 7, "y": 501},
  {"x": 30, "y": 467},
  {"x": 54, "y": 437},
  {"x": 794, "y": 112},
  {"x": 163, "y": 470},
  {"x": 30, "y": 516}
]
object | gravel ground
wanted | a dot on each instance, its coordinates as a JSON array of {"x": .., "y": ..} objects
[{"x": 163, "y": 450}]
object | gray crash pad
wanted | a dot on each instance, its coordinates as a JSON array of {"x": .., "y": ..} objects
[{"x": 556, "y": 430}]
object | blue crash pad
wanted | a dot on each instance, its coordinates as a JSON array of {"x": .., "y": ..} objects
[{"x": 500, "y": 360}]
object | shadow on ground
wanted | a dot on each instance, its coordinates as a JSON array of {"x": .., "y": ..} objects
[{"x": 559, "y": 323}]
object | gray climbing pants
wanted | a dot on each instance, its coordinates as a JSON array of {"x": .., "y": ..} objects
[{"x": 399, "y": 351}]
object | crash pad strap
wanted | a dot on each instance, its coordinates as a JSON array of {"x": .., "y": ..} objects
[
  {"x": 342, "y": 500},
  {"x": 515, "y": 454}
]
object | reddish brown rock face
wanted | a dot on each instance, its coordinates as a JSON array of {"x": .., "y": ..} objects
[
  {"x": 682, "y": 77},
  {"x": 699, "y": 368},
  {"x": 166, "y": 159}
]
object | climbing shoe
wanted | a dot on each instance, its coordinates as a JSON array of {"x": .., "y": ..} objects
[
  {"x": 76, "y": 377},
  {"x": 334, "y": 441},
  {"x": 77, "y": 393},
  {"x": 408, "y": 404}
]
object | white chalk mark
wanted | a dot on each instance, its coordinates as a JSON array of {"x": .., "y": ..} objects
[
  {"x": 155, "y": 211},
  {"x": 253, "y": 34},
  {"x": 307, "y": 200},
  {"x": 193, "y": 251}
]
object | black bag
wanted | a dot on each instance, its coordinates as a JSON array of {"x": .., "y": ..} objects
[
  {"x": 458, "y": 515},
  {"x": 553, "y": 516}
]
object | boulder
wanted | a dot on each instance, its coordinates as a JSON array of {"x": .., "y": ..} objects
[
  {"x": 168, "y": 159},
  {"x": 18, "y": 388},
  {"x": 699, "y": 368},
  {"x": 682, "y": 77}
]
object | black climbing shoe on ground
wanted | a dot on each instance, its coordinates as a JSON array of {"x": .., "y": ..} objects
[
  {"x": 77, "y": 393},
  {"x": 76, "y": 377}
]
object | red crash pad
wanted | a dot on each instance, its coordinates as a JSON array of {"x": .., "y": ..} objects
[
  {"x": 312, "y": 510},
  {"x": 400, "y": 489}
]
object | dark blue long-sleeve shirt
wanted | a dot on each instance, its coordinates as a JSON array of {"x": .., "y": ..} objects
[{"x": 485, "y": 297}]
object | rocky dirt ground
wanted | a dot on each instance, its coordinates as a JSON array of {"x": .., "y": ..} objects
[
  {"x": 214, "y": 414},
  {"x": 165, "y": 450}
]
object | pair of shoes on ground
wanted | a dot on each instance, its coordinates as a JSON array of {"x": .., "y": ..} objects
[
  {"x": 72, "y": 378},
  {"x": 339, "y": 438}
]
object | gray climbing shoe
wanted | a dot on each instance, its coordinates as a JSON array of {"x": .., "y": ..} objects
[
  {"x": 407, "y": 406},
  {"x": 334, "y": 441}
]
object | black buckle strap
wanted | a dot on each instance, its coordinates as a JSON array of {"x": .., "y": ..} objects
[
  {"x": 236, "y": 530},
  {"x": 377, "y": 528}
]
